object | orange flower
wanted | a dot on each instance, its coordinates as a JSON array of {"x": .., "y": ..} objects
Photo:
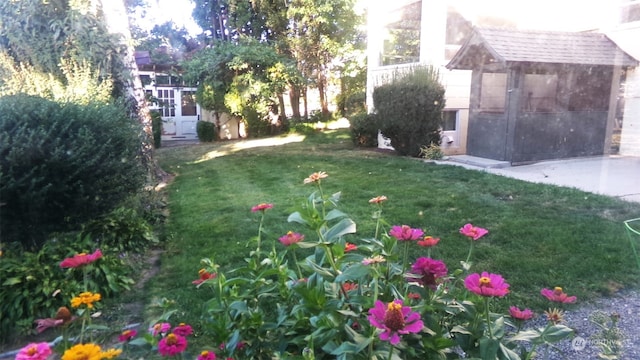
[
  {"x": 350, "y": 247},
  {"x": 378, "y": 199},
  {"x": 204, "y": 276},
  {"x": 86, "y": 298},
  {"x": 429, "y": 241},
  {"x": 315, "y": 177}
]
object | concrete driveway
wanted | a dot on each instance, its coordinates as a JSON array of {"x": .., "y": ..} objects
[{"x": 617, "y": 176}]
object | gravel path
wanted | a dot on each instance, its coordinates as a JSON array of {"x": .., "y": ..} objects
[{"x": 585, "y": 345}]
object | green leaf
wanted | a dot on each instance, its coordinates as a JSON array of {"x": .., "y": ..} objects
[
  {"x": 555, "y": 333},
  {"x": 334, "y": 214},
  {"x": 297, "y": 217},
  {"x": 508, "y": 354},
  {"x": 345, "y": 226},
  {"x": 489, "y": 348},
  {"x": 354, "y": 272},
  {"x": 12, "y": 281}
]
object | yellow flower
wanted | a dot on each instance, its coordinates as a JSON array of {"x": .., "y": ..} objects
[
  {"x": 86, "y": 298},
  {"x": 89, "y": 352}
]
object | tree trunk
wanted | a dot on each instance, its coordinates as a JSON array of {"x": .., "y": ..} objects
[
  {"x": 322, "y": 89},
  {"x": 294, "y": 97},
  {"x": 114, "y": 13},
  {"x": 282, "y": 114},
  {"x": 305, "y": 91}
]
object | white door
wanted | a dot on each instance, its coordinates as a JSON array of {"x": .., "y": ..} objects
[{"x": 179, "y": 112}]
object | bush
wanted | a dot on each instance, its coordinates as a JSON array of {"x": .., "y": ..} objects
[
  {"x": 156, "y": 125},
  {"x": 364, "y": 130},
  {"x": 410, "y": 110},
  {"x": 206, "y": 131},
  {"x": 34, "y": 286},
  {"x": 123, "y": 229},
  {"x": 63, "y": 164}
]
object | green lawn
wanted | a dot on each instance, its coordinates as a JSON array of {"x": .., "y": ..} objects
[{"x": 540, "y": 235}]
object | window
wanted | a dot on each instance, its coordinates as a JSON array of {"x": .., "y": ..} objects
[
  {"x": 493, "y": 91},
  {"x": 402, "y": 39},
  {"x": 449, "y": 120},
  {"x": 590, "y": 89},
  {"x": 630, "y": 11},
  {"x": 167, "y": 103},
  {"x": 540, "y": 93},
  {"x": 189, "y": 103}
]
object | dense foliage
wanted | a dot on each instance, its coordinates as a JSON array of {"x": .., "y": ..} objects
[
  {"x": 63, "y": 164},
  {"x": 364, "y": 129},
  {"x": 206, "y": 131},
  {"x": 409, "y": 110}
]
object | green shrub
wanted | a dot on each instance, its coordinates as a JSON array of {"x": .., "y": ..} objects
[
  {"x": 123, "y": 229},
  {"x": 206, "y": 131},
  {"x": 431, "y": 152},
  {"x": 34, "y": 286},
  {"x": 156, "y": 125},
  {"x": 410, "y": 110},
  {"x": 364, "y": 130},
  {"x": 63, "y": 164}
]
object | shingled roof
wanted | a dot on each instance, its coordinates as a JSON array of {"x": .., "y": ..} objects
[{"x": 494, "y": 45}]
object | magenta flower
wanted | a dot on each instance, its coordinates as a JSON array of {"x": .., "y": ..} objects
[
  {"x": 160, "y": 328},
  {"x": 291, "y": 238},
  {"x": 261, "y": 207},
  {"x": 395, "y": 320},
  {"x": 34, "y": 351},
  {"x": 127, "y": 335},
  {"x": 428, "y": 271},
  {"x": 183, "y": 330},
  {"x": 405, "y": 232},
  {"x": 486, "y": 284},
  {"x": 473, "y": 232},
  {"x": 429, "y": 241},
  {"x": 518, "y": 314},
  {"x": 207, "y": 355},
  {"x": 172, "y": 344},
  {"x": 558, "y": 295},
  {"x": 80, "y": 259}
]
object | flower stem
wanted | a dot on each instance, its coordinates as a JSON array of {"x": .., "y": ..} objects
[
  {"x": 260, "y": 233},
  {"x": 295, "y": 259},
  {"x": 390, "y": 352},
  {"x": 470, "y": 251},
  {"x": 486, "y": 312},
  {"x": 406, "y": 255}
]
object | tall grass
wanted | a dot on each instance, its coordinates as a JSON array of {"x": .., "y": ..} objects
[{"x": 540, "y": 235}]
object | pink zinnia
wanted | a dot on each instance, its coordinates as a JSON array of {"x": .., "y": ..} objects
[
  {"x": 204, "y": 275},
  {"x": 291, "y": 238},
  {"x": 557, "y": 295},
  {"x": 486, "y": 284},
  {"x": 395, "y": 320},
  {"x": 160, "y": 328},
  {"x": 172, "y": 344},
  {"x": 80, "y": 259},
  {"x": 207, "y": 355},
  {"x": 473, "y": 232},
  {"x": 261, "y": 207},
  {"x": 428, "y": 241},
  {"x": 428, "y": 271},
  {"x": 405, "y": 232},
  {"x": 34, "y": 351},
  {"x": 127, "y": 335},
  {"x": 183, "y": 330},
  {"x": 518, "y": 314}
]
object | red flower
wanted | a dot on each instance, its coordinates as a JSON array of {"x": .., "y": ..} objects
[
  {"x": 204, "y": 276},
  {"x": 350, "y": 247},
  {"x": 413, "y": 296},
  {"x": 486, "y": 284},
  {"x": 80, "y": 259},
  {"x": 291, "y": 238},
  {"x": 348, "y": 286},
  {"x": 172, "y": 344},
  {"x": 473, "y": 232},
  {"x": 518, "y": 314},
  {"x": 557, "y": 295},
  {"x": 395, "y": 320},
  {"x": 261, "y": 207},
  {"x": 127, "y": 335},
  {"x": 405, "y": 232},
  {"x": 428, "y": 271},
  {"x": 429, "y": 241}
]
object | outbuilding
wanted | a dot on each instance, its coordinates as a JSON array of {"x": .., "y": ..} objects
[{"x": 538, "y": 95}]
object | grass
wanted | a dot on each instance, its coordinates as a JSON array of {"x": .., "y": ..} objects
[{"x": 540, "y": 235}]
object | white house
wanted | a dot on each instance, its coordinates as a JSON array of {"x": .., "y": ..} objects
[{"x": 404, "y": 33}]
